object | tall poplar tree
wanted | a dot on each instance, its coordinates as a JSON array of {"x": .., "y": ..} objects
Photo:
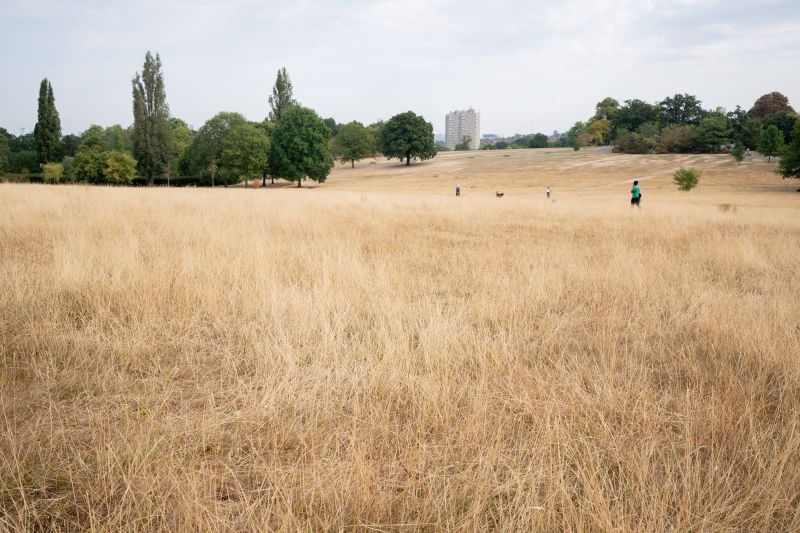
[
  {"x": 47, "y": 132},
  {"x": 151, "y": 147},
  {"x": 282, "y": 96}
]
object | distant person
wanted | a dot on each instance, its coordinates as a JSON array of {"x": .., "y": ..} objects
[
  {"x": 636, "y": 195},
  {"x": 458, "y": 190},
  {"x": 548, "y": 192}
]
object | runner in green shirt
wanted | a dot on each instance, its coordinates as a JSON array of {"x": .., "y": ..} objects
[{"x": 636, "y": 195}]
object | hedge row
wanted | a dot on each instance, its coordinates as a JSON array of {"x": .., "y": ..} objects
[
  {"x": 184, "y": 181},
  {"x": 187, "y": 181}
]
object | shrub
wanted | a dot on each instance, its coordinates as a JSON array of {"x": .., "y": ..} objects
[
  {"x": 52, "y": 172},
  {"x": 120, "y": 168},
  {"x": 789, "y": 166},
  {"x": 88, "y": 166},
  {"x": 181, "y": 181},
  {"x": 686, "y": 178},
  {"x": 676, "y": 138},
  {"x": 22, "y": 162},
  {"x": 67, "y": 164},
  {"x": 634, "y": 143}
]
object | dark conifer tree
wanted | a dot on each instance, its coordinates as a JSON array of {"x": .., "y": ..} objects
[{"x": 47, "y": 132}]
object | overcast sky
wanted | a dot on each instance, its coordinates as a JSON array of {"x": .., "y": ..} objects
[{"x": 525, "y": 65}]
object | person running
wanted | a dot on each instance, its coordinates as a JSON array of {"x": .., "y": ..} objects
[
  {"x": 458, "y": 189},
  {"x": 547, "y": 191},
  {"x": 636, "y": 195}
]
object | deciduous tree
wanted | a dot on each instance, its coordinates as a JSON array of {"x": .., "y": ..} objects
[
  {"x": 375, "y": 130},
  {"x": 769, "y": 104},
  {"x": 713, "y": 132},
  {"x": 90, "y": 159},
  {"x": 204, "y": 155},
  {"x": 632, "y": 115},
  {"x": 408, "y": 136},
  {"x": 750, "y": 133},
  {"x": 464, "y": 144},
  {"x": 22, "y": 162},
  {"x": 120, "y": 168},
  {"x": 334, "y": 126},
  {"x": 573, "y": 136},
  {"x": 784, "y": 122},
  {"x": 598, "y": 131},
  {"x": 299, "y": 146},
  {"x": 22, "y": 143},
  {"x": 606, "y": 109},
  {"x": 771, "y": 142},
  {"x": 118, "y": 139},
  {"x": 680, "y": 109},
  {"x": 789, "y": 167},
  {"x": 353, "y": 143},
  {"x": 180, "y": 139},
  {"x": 69, "y": 144},
  {"x": 244, "y": 153},
  {"x": 539, "y": 140}
]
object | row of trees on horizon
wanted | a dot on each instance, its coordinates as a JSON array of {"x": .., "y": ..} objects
[
  {"x": 294, "y": 143},
  {"x": 680, "y": 124}
]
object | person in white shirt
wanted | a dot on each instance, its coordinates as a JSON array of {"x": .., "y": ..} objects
[{"x": 547, "y": 190}]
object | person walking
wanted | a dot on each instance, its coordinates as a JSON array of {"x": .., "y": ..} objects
[
  {"x": 547, "y": 191},
  {"x": 636, "y": 195},
  {"x": 458, "y": 189}
]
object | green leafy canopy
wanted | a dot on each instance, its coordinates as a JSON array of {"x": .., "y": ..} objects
[
  {"x": 408, "y": 136},
  {"x": 299, "y": 148}
]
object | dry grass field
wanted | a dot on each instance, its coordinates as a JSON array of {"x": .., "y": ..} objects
[{"x": 376, "y": 354}]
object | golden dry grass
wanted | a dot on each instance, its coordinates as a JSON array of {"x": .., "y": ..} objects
[{"x": 376, "y": 354}]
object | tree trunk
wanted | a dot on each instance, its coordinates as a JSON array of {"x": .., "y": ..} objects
[
  {"x": 264, "y": 180},
  {"x": 408, "y": 158},
  {"x": 150, "y": 181},
  {"x": 273, "y": 179},
  {"x": 353, "y": 163},
  {"x": 299, "y": 182}
]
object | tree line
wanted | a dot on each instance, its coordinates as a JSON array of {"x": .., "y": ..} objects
[
  {"x": 680, "y": 124},
  {"x": 532, "y": 140},
  {"x": 292, "y": 143}
]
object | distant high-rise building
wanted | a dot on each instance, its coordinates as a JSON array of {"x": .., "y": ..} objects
[{"x": 460, "y": 124}]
